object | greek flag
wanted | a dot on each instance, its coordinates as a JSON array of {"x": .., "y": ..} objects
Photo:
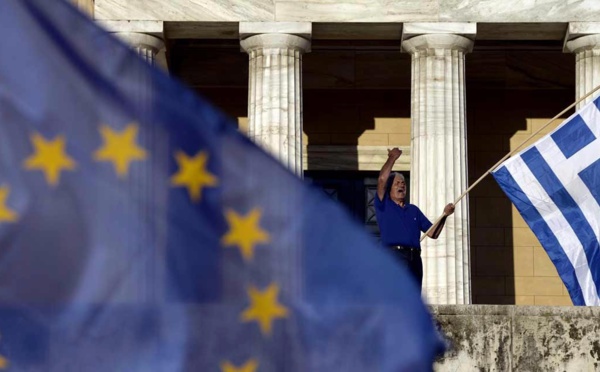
[{"x": 555, "y": 185}]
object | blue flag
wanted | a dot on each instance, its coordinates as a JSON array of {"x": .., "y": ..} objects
[
  {"x": 555, "y": 185},
  {"x": 139, "y": 231}
]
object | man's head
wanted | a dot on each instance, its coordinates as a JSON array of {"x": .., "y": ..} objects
[{"x": 397, "y": 187}]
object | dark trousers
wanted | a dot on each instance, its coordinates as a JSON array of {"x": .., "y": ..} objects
[{"x": 412, "y": 261}]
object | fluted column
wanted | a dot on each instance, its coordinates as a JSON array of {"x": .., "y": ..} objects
[
  {"x": 143, "y": 94},
  {"x": 439, "y": 160},
  {"x": 147, "y": 46},
  {"x": 587, "y": 64},
  {"x": 275, "y": 94}
]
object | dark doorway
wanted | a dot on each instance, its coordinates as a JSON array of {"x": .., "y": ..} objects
[{"x": 355, "y": 190}]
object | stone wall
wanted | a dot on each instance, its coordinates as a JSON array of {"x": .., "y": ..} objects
[{"x": 519, "y": 338}]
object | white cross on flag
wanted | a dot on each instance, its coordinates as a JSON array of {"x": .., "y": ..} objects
[{"x": 555, "y": 185}]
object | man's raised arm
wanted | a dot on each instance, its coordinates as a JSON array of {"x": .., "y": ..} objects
[{"x": 385, "y": 171}]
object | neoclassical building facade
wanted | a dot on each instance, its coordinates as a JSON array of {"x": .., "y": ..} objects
[{"x": 328, "y": 86}]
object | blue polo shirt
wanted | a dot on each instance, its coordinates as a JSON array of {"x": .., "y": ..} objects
[{"x": 398, "y": 225}]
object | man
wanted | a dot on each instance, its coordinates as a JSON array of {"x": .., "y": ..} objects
[{"x": 401, "y": 223}]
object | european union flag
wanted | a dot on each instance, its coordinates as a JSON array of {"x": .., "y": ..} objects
[{"x": 139, "y": 231}]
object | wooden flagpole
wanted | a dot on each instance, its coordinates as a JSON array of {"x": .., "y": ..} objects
[{"x": 510, "y": 154}]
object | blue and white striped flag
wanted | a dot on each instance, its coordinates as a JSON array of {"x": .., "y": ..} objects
[{"x": 555, "y": 185}]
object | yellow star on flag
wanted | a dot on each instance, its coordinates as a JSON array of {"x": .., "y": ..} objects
[
  {"x": 193, "y": 174},
  {"x": 264, "y": 307},
  {"x": 249, "y": 366},
  {"x": 49, "y": 157},
  {"x": 120, "y": 148},
  {"x": 6, "y": 214},
  {"x": 244, "y": 232},
  {"x": 3, "y": 362}
]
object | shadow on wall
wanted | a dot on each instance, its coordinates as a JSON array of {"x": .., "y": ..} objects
[
  {"x": 346, "y": 119},
  {"x": 355, "y": 94},
  {"x": 508, "y": 266}
]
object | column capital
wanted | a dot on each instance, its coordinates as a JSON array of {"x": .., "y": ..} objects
[
  {"x": 150, "y": 47},
  {"x": 437, "y": 41},
  {"x": 583, "y": 39},
  {"x": 276, "y": 41},
  {"x": 141, "y": 34},
  {"x": 146, "y": 34},
  {"x": 301, "y": 29},
  {"x": 583, "y": 43},
  {"x": 464, "y": 29},
  {"x": 580, "y": 30},
  {"x": 445, "y": 35},
  {"x": 138, "y": 39}
]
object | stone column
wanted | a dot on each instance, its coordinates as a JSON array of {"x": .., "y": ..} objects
[
  {"x": 143, "y": 94},
  {"x": 583, "y": 39},
  {"x": 275, "y": 87},
  {"x": 439, "y": 155},
  {"x": 145, "y": 37}
]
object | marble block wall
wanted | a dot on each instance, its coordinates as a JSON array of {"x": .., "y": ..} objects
[{"x": 350, "y": 10}]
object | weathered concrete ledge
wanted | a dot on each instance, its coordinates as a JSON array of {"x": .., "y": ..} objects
[{"x": 519, "y": 338}]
